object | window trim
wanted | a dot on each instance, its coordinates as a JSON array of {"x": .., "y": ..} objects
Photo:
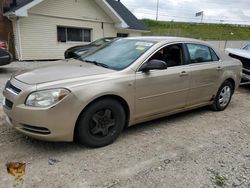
[
  {"x": 72, "y": 27},
  {"x": 212, "y": 50}
]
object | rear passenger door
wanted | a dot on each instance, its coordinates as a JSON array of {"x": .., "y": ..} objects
[{"x": 205, "y": 70}]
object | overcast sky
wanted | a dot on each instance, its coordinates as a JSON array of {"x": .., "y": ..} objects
[{"x": 218, "y": 11}]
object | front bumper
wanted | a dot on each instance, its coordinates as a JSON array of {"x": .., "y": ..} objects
[
  {"x": 50, "y": 124},
  {"x": 245, "y": 78}
]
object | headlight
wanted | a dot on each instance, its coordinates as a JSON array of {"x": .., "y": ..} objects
[{"x": 46, "y": 98}]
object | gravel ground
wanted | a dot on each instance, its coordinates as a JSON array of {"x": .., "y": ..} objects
[{"x": 199, "y": 148}]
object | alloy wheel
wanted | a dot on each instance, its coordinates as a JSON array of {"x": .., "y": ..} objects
[{"x": 224, "y": 96}]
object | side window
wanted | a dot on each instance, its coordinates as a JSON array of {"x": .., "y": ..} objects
[
  {"x": 214, "y": 56},
  {"x": 200, "y": 53},
  {"x": 172, "y": 55}
]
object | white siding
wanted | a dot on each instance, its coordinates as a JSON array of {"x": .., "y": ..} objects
[
  {"x": 39, "y": 36},
  {"x": 78, "y": 9},
  {"x": 39, "y": 29}
]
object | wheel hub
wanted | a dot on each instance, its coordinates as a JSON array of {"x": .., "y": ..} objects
[
  {"x": 225, "y": 96},
  {"x": 103, "y": 122}
]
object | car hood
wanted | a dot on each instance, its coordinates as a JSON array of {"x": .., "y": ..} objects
[
  {"x": 60, "y": 71},
  {"x": 239, "y": 52}
]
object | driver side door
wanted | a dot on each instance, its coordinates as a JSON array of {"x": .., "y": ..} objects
[{"x": 162, "y": 91}]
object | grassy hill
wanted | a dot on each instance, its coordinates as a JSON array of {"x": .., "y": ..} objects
[{"x": 202, "y": 31}]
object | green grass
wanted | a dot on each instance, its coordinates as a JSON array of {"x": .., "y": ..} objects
[
  {"x": 202, "y": 31},
  {"x": 218, "y": 180}
]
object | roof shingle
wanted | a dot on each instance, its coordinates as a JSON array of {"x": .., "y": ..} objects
[
  {"x": 127, "y": 16},
  {"x": 19, "y": 4}
]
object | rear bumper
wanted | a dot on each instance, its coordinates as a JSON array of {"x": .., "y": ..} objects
[{"x": 5, "y": 60}]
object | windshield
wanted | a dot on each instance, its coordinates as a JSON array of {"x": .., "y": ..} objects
[
  {"x": 118, "y": 54},
  {"x": 247, "y": 47},
  {"x": 99, "y": 42}
]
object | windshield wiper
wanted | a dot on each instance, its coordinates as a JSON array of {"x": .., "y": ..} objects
[{"x": 98, "y": 64}]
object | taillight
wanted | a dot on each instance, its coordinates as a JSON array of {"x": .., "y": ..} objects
[{"x": 3, "y": 45}]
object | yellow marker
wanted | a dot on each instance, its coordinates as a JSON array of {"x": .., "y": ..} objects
[{"x": 140, "y": 48}]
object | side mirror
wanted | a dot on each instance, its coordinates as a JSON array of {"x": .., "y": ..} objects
[{"x": 154, "y": 64}]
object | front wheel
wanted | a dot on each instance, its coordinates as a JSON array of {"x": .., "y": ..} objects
[
  {"x": 101, "y": 123},
  {"x": 223, "y": 97}
]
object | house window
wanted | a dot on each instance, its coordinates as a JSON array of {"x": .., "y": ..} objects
[
  {"x": 66, "y": 34},
  {"x": 122, "y": 34}
]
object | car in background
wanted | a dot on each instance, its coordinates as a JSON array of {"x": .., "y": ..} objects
[
  {"x": 77, "y": 51},
  {"x": 3, "y": 45},
  {"x": 247, "y": 47},
  {"x": 5, "y": 56},
  {"x": 243, "y": 55},
  {"x": 123, "y": 83}
]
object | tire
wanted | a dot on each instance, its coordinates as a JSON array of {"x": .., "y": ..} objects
[
  {"x": 101, "y": 123},
  {"x": 223, "y": 96}
]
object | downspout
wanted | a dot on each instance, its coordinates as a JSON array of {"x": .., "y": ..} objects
[
  {"x": 20, "y": 55},
  {"x": 103, "y": 29},
  {"x": 17, "y": 34}
]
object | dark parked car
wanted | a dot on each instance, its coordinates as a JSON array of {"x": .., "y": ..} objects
[
  {"x": 5, "y": 57},
  {"x": 77, "y": 51}
]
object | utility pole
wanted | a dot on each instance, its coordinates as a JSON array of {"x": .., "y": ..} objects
[
  {"x": 202, "y": 14},
  {"x": 157, "y": 10}
]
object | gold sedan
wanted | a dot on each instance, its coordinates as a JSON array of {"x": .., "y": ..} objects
[{"x": 125, "y": 82}]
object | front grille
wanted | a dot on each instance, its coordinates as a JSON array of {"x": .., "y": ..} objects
[
  {"x": 36, "y": 130},
  {"x": 8, "y": 104},
  {"x": 12, "y": 89},
  {"x": 245, "y": 62},
  {"x": 246, "y": 71}
]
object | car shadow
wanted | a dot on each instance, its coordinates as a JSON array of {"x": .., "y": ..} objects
[
  {"x": 165, "y": 121},
  {"x": 55, "y": 148},
  {"x": 244, "y": 88}
]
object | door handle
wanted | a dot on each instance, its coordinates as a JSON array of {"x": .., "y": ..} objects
[
  {"x": 219, "y": 68},
  {"x": 184, "y": 73}
]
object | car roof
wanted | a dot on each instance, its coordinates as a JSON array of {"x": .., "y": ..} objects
[
  {"x": 160, "y": 39},
  {"x": 166, "y": 39}
]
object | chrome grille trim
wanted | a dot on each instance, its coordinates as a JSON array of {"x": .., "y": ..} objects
[{"x": 12, "y": 89}]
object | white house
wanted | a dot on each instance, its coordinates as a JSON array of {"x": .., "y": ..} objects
[{"x": 44, "y": 29}]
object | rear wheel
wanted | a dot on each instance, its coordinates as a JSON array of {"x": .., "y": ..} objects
[
  {"x": 223, "y": 97},
  {"x": 101, "y": 123}
]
